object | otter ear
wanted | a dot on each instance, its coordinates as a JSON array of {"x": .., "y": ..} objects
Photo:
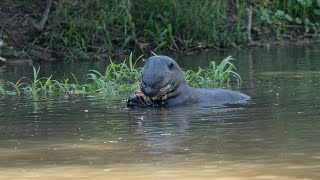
[{"x": 171, "y": 66}]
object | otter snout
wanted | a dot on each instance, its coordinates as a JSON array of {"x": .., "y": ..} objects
[{"x": 149, "y": 91}]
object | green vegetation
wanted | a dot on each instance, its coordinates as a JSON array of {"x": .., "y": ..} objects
[
  {"x": 215, "y": 75},
  {"x": 2, "y": 91},
  {"x": 82, "y": 28},
  {"x": 288, "y": 18},
  {"x": 117, "y": 78},
  {"x": 87, "y": 29}
]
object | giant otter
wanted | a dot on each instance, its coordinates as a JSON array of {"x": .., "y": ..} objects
[{"x": 163, "y": 84}]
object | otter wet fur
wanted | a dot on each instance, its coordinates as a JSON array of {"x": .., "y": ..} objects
[{"x": 163, "y": 84}]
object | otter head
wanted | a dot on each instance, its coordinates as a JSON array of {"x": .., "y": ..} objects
[{"x": 160, "y": 75}]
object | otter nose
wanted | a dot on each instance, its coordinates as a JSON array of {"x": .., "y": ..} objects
[{"x": 148, "y": 91}]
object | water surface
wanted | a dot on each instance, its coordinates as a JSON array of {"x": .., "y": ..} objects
[{"x": 275, "y": 136}]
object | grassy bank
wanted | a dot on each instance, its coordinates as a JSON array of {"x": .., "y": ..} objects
[
  {"x": 118, "y": 78},
  {"x": 83, "y": 29}
]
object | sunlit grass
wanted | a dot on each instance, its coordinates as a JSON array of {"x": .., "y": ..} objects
[{"x": 117, "y": 78}]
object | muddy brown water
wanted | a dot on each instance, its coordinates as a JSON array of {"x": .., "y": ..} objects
[{"x": 275, "y": 136}]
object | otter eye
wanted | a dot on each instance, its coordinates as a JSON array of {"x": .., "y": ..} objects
[{"x": 171, "y": 66}]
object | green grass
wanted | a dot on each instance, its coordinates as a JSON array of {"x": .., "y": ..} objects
[
  {"x": 117, "y": 78},
  {"x": 89, "y": 30},
  {"x": 215, "y": 75},
  {"x": 83, "y": 29}
]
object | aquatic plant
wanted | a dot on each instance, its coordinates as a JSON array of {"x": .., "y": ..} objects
[
  {"x": 2, "y": 90},
  {"x": 37, "y": 85},
  {"x": 15, "y": 87},
  {"x": 215, "y": 75},
  {"x": 118, "y": 78}
]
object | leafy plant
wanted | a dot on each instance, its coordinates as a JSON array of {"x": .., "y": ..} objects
[{"x": 300, "y": 16}]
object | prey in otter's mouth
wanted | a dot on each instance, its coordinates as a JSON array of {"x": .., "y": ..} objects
[
  {"x": 161, "y": 94},
  {"x": 141, "y": 99}
]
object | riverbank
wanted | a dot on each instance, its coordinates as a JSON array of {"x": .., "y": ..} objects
[{"x": 90, "y": 30}]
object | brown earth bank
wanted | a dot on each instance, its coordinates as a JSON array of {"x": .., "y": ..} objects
[
  {"x": 17, "y": 33},
  {"x": 19, "y": 27}
]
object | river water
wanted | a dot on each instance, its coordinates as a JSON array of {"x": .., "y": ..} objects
[{"x": 275, "y": 136}]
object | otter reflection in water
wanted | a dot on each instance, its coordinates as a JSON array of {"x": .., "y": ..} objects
[{"x": 163, "y": 84}]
